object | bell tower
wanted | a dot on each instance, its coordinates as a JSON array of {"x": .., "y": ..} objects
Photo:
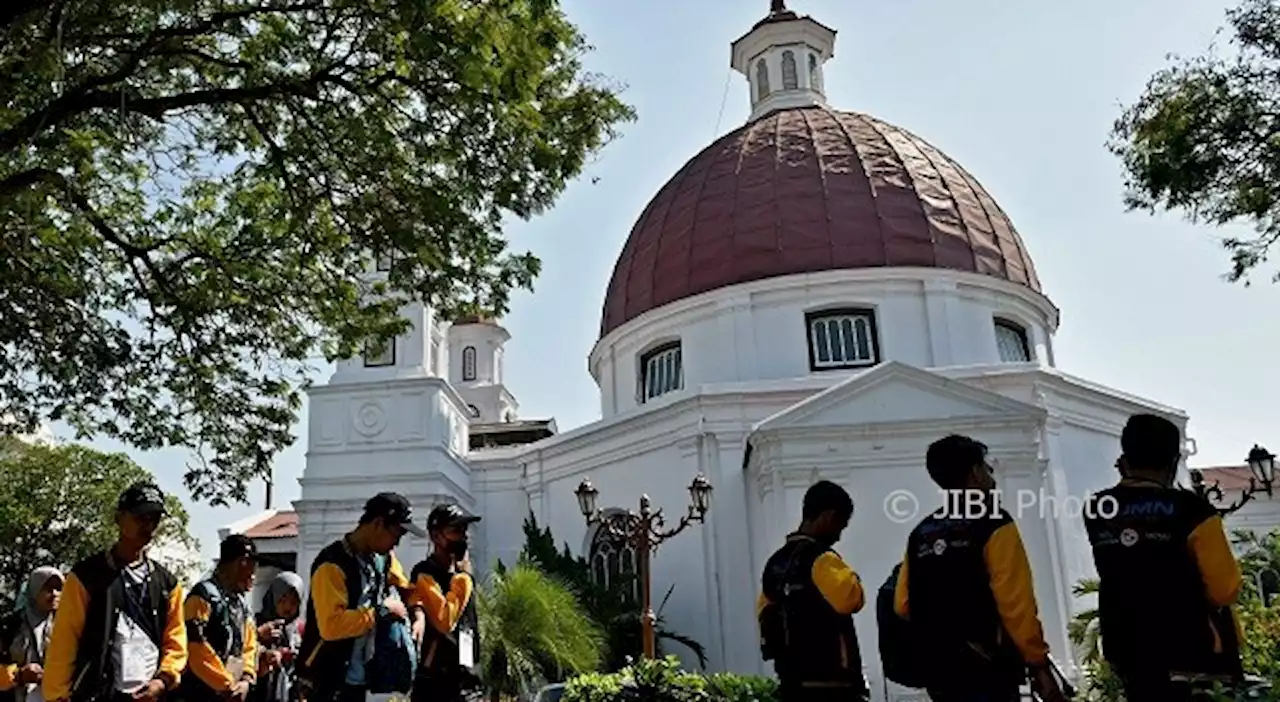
[{"x": 783, "y": 57}]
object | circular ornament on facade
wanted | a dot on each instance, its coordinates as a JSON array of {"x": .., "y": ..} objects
[{"x": 370, "y": 419}]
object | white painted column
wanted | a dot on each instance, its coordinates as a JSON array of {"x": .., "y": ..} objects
[{"x": 939, "y": 299}]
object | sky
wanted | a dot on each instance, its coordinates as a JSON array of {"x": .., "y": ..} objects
[{"x": 1023, "y": 94}]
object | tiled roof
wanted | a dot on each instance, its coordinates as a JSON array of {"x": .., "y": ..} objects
[
  {"x": 281, "y": 525},
  {"x": 1227, "y": 477}
]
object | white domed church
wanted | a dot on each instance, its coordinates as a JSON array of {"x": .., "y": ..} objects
[{"x": 816, "y": 295}]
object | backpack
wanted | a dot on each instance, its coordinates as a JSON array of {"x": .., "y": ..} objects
[
  {"x": 900, "y": 654},
  {"x": 395, "y": 658}
]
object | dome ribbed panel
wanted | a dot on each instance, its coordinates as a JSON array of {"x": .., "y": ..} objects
[{"x": 808, "y": 190}]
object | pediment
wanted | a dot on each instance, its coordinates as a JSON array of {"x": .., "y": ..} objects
[{"x": 896, "y": 393}]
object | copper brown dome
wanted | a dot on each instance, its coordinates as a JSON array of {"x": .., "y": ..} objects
[{"x": 806, "y": 190}]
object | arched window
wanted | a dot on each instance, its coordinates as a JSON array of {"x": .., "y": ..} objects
[
  {"x": 842, "y": 339},
  {"x": 614, "y": 565},
  {"x": 815, "y": 76},
  {"x": 469, "y": 363},
  {"x": 790, "y": 81},
  {"x": 1011, "y": 340},
  {"x": 762, "y": 80},
  {"x": 473, "y": 411},
  {"x": 661, "y": 371}
]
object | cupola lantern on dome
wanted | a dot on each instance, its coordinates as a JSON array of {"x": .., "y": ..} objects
[{"x": 782, "y": 57}]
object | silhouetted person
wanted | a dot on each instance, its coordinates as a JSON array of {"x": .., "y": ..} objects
[
  {"x": 965, "y": 584},
  {"x": 1167, "y": 576},
  {"x": 806, "y": 606}
]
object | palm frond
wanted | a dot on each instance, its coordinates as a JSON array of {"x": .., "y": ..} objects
[{"x": 533, "y": 630}]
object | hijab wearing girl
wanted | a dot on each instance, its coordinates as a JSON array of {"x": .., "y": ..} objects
[{"x": 33, "y": 626}]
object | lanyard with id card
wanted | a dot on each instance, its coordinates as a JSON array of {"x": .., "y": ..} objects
[{"x": 466, "y": 648}]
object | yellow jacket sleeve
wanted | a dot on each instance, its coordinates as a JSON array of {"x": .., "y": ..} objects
[
  {"x": 204, "y": 663},
  {"x": 1218, "y": 566},
  {"x": 250, "y": 649},
  {"x": 901, "y": 602},
  {"x": 837, "y": 582},
  {"x": 1010, "y": 574},
  {"x": 395, "y": 574},
  {"x": 173, "y": 648},
  {"x": 443, "y": 609},
  {"x": 8, "y": 677},
  {"x": 60, "y": 657},
  {"x": 334, "y": 620}
]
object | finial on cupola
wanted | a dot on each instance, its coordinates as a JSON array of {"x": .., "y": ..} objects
[{"x": 777, "y": 7}]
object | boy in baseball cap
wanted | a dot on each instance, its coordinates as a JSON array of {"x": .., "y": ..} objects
[
  {"x": 143, "y": 657},
  {"x": 350, "y": 590}
]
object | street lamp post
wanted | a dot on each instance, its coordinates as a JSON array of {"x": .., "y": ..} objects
[
  {"x": 644, "y": 531},
  {"x": 1262, "y": 465}
]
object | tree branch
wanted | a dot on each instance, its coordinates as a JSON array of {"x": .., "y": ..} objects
[{"x": 87, "y": 96}]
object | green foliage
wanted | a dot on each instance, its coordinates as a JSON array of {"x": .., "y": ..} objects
[
  {"x": 732, "y": 687},
  {"x": 1204, "y": 137},
  {"x": 1259, "y": 622},
  {"x": 57, "y": 506},
  {"x": 663, "y": 680},
  {"x": 535, "y": 630},
  {"x": 1083, "y": 629},
  {"x": 191, "y": 192},
  {"x": 613, "y": 606}
]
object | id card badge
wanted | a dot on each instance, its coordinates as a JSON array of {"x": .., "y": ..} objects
[
  {"x": 235, "y": 666},
  {"x": 466, "y": 649},
  {"x": 138, "y": 662}
]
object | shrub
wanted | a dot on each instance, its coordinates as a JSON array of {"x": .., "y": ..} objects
[{"x": 663, "y": 680}]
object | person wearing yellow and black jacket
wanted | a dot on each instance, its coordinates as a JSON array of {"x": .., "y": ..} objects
[
  {"x": 965, "y": 585},
  {"x": 443, "y": 588},
  {"x": 119, "y": 632},
  {"x": 222, "y": 635},
  {"x": 1167, "y": 578},
  {"x": 806, "y": 606},
  {"x": 350, "y": 582}
]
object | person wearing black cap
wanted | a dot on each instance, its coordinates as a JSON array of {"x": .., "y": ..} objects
[
  {"x": 222, "y": 636},
  {"x": 443, "y": 587},
  {"x": 352, "y": 582},
  {"x": 119, "y": 634}
]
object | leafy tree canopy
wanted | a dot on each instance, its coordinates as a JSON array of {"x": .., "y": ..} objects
[
  {"x": 1204, "y": 137},
  {"x": 191, "y": 192},
  {"x": 58, "y": 504}
]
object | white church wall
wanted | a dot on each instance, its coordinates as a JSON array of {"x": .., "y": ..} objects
[
  {"x": 408, "y": 435},
  {"x": 757, "y": 331},
  {"x": 1260, "y": 515}
]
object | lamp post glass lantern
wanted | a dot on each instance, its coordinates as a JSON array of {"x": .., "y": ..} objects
[
  {"x": 1263, "y": 466},
  {"x": 644, "y": 530}
]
